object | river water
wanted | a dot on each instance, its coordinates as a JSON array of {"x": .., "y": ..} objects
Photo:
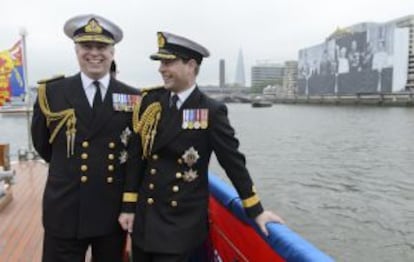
[{"x": 341, "y": 177}]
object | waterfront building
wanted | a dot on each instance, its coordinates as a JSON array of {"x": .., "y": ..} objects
[
  {"x": 363, "y": 58},
  {"x": 290, "y": 77},
  {"x": 408, "y": 22},
  {"x": 266, "y": 74}
]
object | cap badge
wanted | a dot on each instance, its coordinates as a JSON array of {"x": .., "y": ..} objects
[
  {"x": 93, "y": 27},
  {"x": 161, "y": 40},
  {"x": 190, "y": 156}
]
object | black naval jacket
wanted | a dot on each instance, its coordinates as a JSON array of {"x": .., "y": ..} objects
[
  {"x": 172, "y": 212},
  {"x": 83, "y": 193}
]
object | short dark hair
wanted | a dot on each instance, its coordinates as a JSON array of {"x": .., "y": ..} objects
[{"x": 186, "y": 60}]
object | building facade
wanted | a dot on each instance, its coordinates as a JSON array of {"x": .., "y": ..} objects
[
  {"x": 265, "y": 74},
  {"x": 363, "y": 58},
  {"x": 290, "y": 77}
]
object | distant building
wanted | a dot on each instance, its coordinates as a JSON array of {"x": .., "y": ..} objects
[
  {"x": 290, "y": 78},
  {"x": 240, "y": 76},
  {"x": 408, "y": 22},
  {"x": 264, "y": 74},
  {"x": 222, "y": 73},
  {"x": 363, "y": 58}
]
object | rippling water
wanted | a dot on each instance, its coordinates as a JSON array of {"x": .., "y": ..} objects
[{"x": 342, "y": 177}]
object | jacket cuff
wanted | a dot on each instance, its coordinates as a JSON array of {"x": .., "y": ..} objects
[
  {"x": 254, "y": 211},
  {"x": 129, "y": 202},
  {"x": 128, "y": 207}
]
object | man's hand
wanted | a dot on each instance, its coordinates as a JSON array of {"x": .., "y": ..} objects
[
  {"x": 126, "y": 220},
  {"x": 266, "y": 217}
]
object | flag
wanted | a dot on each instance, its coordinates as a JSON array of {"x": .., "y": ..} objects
[{"x": 11, "y": 73}]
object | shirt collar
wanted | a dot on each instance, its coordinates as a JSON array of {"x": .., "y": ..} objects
[
  {"x": 182, "y": 96},
  {"x": 87, "y": 81}
]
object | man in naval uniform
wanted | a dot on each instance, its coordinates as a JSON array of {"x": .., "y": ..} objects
[
  {"x": 178, "y": 128},
  {"x": 82, "y": 127}
]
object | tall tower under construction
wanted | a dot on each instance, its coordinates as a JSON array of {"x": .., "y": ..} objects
[{"x": 240, "y": 78}]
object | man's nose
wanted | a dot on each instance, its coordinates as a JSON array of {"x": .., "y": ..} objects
[
  {"x": 161, "y": 68},
  {"x": 94, "y": 50}
]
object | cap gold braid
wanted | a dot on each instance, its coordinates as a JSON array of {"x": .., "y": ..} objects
[
  {"x": 146, "y": 125},
  {"x": 65, "y": 116}
]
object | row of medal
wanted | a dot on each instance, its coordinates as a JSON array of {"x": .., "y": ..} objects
[
  {"x": 195, "y": 118},
  {"x": 124, "y": 102}
]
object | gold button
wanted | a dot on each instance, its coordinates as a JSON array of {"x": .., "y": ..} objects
[
  {"x": 178, "y": 175},
  {"x": 111, "y": 156},
  {"x": 175, "y": 189},
  {"x": 151, "y": 186},
  {"x": 174, "y": 203},
  {"x": 154, "y": 157},
  {"x": 84, "y": 156},
  {"x": 179, "y": 161},
  {"x": 111, "y": 145},
  {"x": 84, "y": 179},
  {"x": 109, "y": 179},
  {"x": 150, "y": 201},
  {"x": 84, "y": 168},
  {"x": 153, "y": 171},
  {"x": 85, "y": 144},
  {"x": 111, "y": 168}
]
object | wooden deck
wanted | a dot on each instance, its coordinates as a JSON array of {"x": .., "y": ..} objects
[{"x": 21, "y": 230}]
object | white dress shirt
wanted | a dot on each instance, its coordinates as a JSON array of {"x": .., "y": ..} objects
[
  {"x": 182, "y": 96},
  {"x": 90, "y": 88}
]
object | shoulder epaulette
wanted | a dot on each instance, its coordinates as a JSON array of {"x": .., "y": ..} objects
[
  {"x": 52, "y": 79},
  {"x": 150, "y": 88}
]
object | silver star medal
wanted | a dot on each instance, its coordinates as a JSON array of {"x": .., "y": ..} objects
[
  {"x": 125, "y": 136},
  {"x": 190, "y": 175},
  {"x": 190, "y": 156},
  {"x": 123, "y": 157}
]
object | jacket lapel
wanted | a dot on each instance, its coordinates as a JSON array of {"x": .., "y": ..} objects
[
  {"x": 106, "y": 111},
  {"x": 75, "y": 95},
  {"x": 171, "y": 125}
]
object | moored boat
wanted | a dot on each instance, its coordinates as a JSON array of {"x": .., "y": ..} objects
[{"x": 261, "y": 102}]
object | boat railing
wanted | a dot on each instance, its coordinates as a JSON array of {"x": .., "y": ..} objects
[{"x": 285, "y": 242}]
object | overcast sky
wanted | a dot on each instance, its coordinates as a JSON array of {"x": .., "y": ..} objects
[{"x": 271, "y": 30}]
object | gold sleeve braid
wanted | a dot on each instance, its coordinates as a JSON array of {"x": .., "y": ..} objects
[
  {"x": 251, "y": 201},
  {"x": 66, "y": 116},
  {"x": 146, "y": 125}
]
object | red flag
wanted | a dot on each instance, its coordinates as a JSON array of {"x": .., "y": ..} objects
[{"x": 11, "y": 72}]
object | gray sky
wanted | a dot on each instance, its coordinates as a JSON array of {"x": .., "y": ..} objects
[{"x": 264, "y": 29}]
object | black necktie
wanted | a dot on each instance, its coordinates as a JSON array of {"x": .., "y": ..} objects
[
  {"x": 97, "y": 100},
  {"x": 173, "y": 102}
]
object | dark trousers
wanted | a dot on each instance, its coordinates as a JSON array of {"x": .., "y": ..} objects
[
  {"x": 140, "y": 255},
  {"x": 109, "y": 248}
]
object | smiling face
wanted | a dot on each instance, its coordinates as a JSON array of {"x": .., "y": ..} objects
[
  {"x": 177, "y": 74},
  {"x": 94, "y": 58}
]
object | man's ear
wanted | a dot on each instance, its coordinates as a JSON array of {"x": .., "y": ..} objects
[{"x": 193, "y": 63}]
